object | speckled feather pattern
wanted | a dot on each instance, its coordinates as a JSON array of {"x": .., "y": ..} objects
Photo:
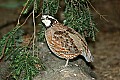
[{"x": 66, "y": 43}]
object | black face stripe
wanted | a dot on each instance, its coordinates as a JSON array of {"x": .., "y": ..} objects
[{"x": 52, "y": 21}]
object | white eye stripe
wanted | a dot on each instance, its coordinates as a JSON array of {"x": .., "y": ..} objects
[{"x": 47, "y": 17}]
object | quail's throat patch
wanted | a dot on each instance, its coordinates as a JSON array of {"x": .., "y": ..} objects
[{"x": 47, "y": 22}]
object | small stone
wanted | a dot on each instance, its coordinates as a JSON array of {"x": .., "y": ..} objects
[
  {"x": 76, "y": 65},
  {"x": 75, "y": 74}
]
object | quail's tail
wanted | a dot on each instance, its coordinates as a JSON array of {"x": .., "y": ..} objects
[{"x": 88, "y": 57}]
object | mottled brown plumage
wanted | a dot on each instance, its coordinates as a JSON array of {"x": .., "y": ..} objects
[{"x": 65, "y": 42}]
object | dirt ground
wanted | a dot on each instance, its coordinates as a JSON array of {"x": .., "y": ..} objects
[
  {"x": 106, "y": 49},
  {"x": 107, "y": 57},
  {"x": 107, "y": 45}
]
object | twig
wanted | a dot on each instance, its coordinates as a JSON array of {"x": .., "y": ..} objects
[
  {"x": 3, "y": 50},
  {"x": 101, "y": 16},
  {"x": 26, "y": 19},
  {"x": 38, "y": 15},
  {"x": 8, "y": 76},
  {"x": 30, "y": 41},
  {"x": 22, "y": 12},
  {"x": 34, "y": 34}
]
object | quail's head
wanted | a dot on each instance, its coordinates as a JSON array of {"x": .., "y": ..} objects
[{"x": 48, "y": 20}]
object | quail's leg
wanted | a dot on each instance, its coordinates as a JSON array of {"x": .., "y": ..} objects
[{"x": 67, "y": 63}]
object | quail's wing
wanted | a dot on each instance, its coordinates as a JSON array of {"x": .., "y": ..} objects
[
  {"x": 61, "y": 43},
  {"x": 80, "y": 43}
]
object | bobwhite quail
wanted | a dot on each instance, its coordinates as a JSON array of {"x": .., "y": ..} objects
[{"x": 64, "y": 41}]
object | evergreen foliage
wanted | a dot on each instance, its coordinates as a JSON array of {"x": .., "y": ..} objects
[
  {"x": 22, "y": 60},
  {"x": 79, "y": 17},
  {"x": 50, "y": 7},
  {"x": 22, "y": 63},
  {"x": 41, "y": 33}
]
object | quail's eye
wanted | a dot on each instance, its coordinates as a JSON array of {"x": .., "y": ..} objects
[{"x": 47, "y": 17}]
